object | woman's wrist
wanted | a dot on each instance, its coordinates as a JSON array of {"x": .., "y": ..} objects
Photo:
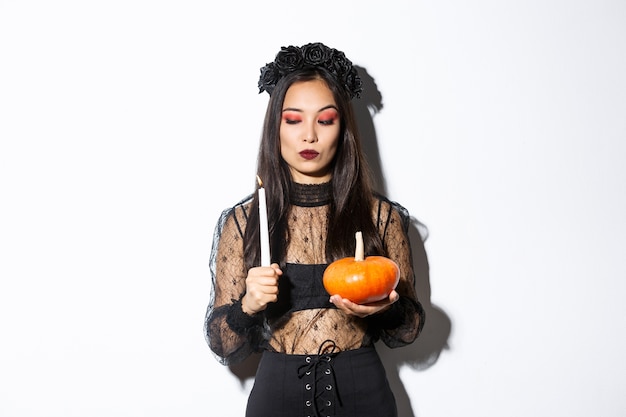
[
  {"x": 240, "y": 321},
  {"x": 245, "y": 308}
]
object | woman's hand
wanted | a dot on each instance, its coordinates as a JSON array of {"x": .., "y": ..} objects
[
  {"x": 364, "y": 310},
  {"x": 261, "y": 288}
]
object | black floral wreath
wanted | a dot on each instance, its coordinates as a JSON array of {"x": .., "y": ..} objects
[{"x": 293, "y": 58}]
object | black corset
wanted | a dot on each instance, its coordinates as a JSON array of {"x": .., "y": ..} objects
[{"x": 301, "y": 288}]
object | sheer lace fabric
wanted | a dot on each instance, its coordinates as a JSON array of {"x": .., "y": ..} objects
[{"x": 308, "y": 319}]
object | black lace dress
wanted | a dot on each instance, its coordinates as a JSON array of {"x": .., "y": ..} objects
[{"x": 303, "y": 323}]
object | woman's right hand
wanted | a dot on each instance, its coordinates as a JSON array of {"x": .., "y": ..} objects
[{"x": 261, "y": 288}]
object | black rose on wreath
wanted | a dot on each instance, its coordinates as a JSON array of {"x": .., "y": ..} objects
[
  {"x": 288, "y": 59},
  {"x": 269, "y": 77},
  {"x": 316, "y": 54}
]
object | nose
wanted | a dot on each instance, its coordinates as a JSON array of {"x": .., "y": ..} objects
[{"x": 310, "y": 136}]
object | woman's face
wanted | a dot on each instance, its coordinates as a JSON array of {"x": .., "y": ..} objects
[{"x": 309, "y": 131}]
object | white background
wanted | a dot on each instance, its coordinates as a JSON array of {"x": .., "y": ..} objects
[{"x": 127, "y": 126}]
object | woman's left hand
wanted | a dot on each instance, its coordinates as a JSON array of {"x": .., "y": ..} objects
[{"x": 364, "y": 310}]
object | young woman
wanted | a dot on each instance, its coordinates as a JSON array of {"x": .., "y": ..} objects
[{"x": 319, "y": 357}]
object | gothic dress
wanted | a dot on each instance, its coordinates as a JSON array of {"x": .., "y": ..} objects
[{"x": 316, "y": 360}]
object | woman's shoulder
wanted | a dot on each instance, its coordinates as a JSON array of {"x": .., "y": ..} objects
[
  {"x": 240, "y": 209},
  {"x": 392, "y": 211},
  {"x": 382, "y": 204},
  {"x": 244, "y": 203},
  {"x": 235, "y": 216}
]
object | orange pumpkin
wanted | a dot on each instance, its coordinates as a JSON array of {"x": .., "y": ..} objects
[{"x": 361, "y": 279}]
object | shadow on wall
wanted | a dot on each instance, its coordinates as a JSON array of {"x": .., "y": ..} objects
[{"x": 434, "y": 338}]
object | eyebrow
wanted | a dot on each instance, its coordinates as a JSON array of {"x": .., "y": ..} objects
[{"x": 330, "y": 106}]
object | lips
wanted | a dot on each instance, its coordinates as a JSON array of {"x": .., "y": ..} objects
[{"x": 309, "y": 154}]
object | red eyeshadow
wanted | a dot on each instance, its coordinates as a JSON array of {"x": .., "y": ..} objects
[
  {"x": 292, "y": 116},
  {"x": 329, "y": 115}
]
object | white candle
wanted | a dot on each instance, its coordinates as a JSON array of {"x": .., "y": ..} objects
[{"x": 264, "y": 232}]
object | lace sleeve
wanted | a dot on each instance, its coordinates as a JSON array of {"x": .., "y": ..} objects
[
  {"x": 231, "y": 334},
  {"x": 402, "y": 323}
]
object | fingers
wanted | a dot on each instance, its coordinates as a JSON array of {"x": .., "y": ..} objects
[
  {"x": 276, "y": 269},
  {"x": 272, "y": 271},
  {"x": 264, "y": 279},
  {"x": 364, "y": 310},
  {"x": 261, "y": 288}
]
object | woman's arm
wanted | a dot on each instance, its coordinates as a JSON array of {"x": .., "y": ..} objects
[
  {"x": 402, "y": 322},
  {"x": 231, "y": 334}
]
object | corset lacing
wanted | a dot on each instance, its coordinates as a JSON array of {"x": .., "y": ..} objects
[{"x": 326, "y": 353}]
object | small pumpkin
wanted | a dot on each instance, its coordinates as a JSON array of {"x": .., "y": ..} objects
[{"x": 361, "y": 279}]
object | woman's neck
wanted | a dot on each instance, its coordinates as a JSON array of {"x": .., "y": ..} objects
[{"x": 310, "y": 195}]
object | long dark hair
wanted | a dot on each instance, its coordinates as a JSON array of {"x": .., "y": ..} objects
[{"x": 351, "y": 204}]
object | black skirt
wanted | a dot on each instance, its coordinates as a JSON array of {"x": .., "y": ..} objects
[{"x": 345, "y": 384}]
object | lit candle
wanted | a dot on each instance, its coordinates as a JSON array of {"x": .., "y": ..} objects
[{"x": 264, "y": 232}]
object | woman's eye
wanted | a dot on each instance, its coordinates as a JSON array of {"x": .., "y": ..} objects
[
  {"x": 327, "y": 117},
  {"x": 292, "y": 119}
]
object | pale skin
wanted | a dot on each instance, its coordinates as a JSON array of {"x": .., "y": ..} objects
[{"x": 309, "y": 135}]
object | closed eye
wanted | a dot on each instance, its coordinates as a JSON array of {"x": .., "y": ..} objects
[
  {"x": 291, "y": 117},
  {"x": 328, "y": 117}
]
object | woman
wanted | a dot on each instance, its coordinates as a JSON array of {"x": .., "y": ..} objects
[{"x": 318, "y": 350}]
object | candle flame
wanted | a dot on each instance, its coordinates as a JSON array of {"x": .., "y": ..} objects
[{"x": 259, "y": 181}]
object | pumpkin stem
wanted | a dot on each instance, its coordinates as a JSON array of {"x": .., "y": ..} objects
[{"x": 359, "y": 254}]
